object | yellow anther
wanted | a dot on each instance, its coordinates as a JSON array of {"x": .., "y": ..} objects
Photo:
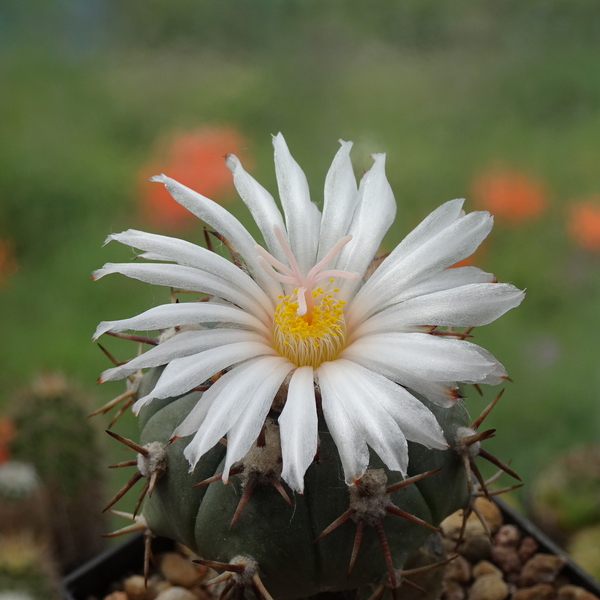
[{"x": 312, "y": 338}]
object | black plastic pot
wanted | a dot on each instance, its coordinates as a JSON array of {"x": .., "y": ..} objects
[{"x": 96, "y": 577}]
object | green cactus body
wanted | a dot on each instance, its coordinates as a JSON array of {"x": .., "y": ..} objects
[{"x": 280, "y": 537}]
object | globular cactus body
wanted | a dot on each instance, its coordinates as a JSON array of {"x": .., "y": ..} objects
[{"x": 281, "y": 538}]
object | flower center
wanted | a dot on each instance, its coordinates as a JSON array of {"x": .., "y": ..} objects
[
  {"x": 308, "y": 324},
  {"x": 311, "y": 338}
]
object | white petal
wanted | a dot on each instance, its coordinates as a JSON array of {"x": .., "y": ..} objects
[
  {"x": 226, "y": 224},
  {"x": 346, "y": 434},
  {"x": 449, "y": 278},
  {"x": 160, "y": 247},
  {"x": 434, "y": 223},
  {"x": 374, "y": 424},
  {"x": 244, "y": 431},
  {"x": 409, "y": 357},
  {"x": 298, "y": 425},
  {"x": 416, "y": 421},
  {"x": 182, "y": 313},
  {"x": 261, "y": 205},
  {"x": 302, "y": 217},
  {"x": 442, "y": 393},
  {"x": 183, "y": 344},
  {"x": 197, "y": 415},
  {"x": 186, "y": 278},
  {"x": 183, "y": 374},
  {"x": 341, "y": 198},
  {"x": 372, "y": 218},
  {"x": 466, "y": 306},
  {"x": 228, "y": 401},
  {"x": 452, "y": 244},
  {"x": 498, "y": 374}
]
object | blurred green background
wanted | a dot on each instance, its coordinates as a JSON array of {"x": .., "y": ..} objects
[{"x": 452, "y": 91}]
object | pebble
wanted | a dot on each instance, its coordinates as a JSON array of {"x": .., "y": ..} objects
[
  {"x": 159, "y": 586},
  {"x": 574, "y": 592},
  {"x": 135, "y": 588},
  {"x": 486, "y": 568},
  {"x": 202, "y": 593},
  {"x": 541, "y": 568},
  {"x": 176, "y": 593},
  {"x": 453, "y": 590},
  {"x": 508, "y": 535},
  {"x": 451, "y": 525},
  {"x": 527, "y": 548},
  {"x": 459, "y": 570},
  {"x": 178, "y": 570},
  {"x": 541, "y": 591},
  {"x": 476, "y": 548},
  {"x": 488, "y": 587},
  {"x": 507, "y": 558},
  {"x": 491, "y": 513}
]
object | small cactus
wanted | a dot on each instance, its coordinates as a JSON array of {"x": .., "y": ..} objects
[
  {"x": 300, "y": 436},
  {"x": 55, "y": 438}
]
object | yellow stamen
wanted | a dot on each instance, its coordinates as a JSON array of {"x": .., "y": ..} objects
[{"x": 312, "y": 338}]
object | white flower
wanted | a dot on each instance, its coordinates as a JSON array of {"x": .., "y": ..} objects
[{"x": 305, "y": 314}]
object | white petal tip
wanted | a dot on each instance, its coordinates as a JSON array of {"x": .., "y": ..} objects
[
  {"x": 101, "y": 330},
  {"x": 109, "y": 238},
  {"x": 279, "y": 140},
  {"x": 232, "y": 162},
  {"x": 135, "y": 409},
  {"x": 159, "y": 178}
]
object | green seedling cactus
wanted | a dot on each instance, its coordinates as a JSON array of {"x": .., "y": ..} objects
[
  {"x": 303, "y": 437},
  {"x": 55, "y": 437}
]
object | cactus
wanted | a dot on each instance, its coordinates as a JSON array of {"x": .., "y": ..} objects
[
  {"x": 53, "y": 435},
  {"x": 262, "y": 399}
]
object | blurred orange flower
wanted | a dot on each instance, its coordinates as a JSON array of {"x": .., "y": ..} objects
[
  {"x": 197, "y": 160},
  {"x": 8, "y": 263},
  {"x": 509, "y": 195},
  {"x": 584, "y": 224}
]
